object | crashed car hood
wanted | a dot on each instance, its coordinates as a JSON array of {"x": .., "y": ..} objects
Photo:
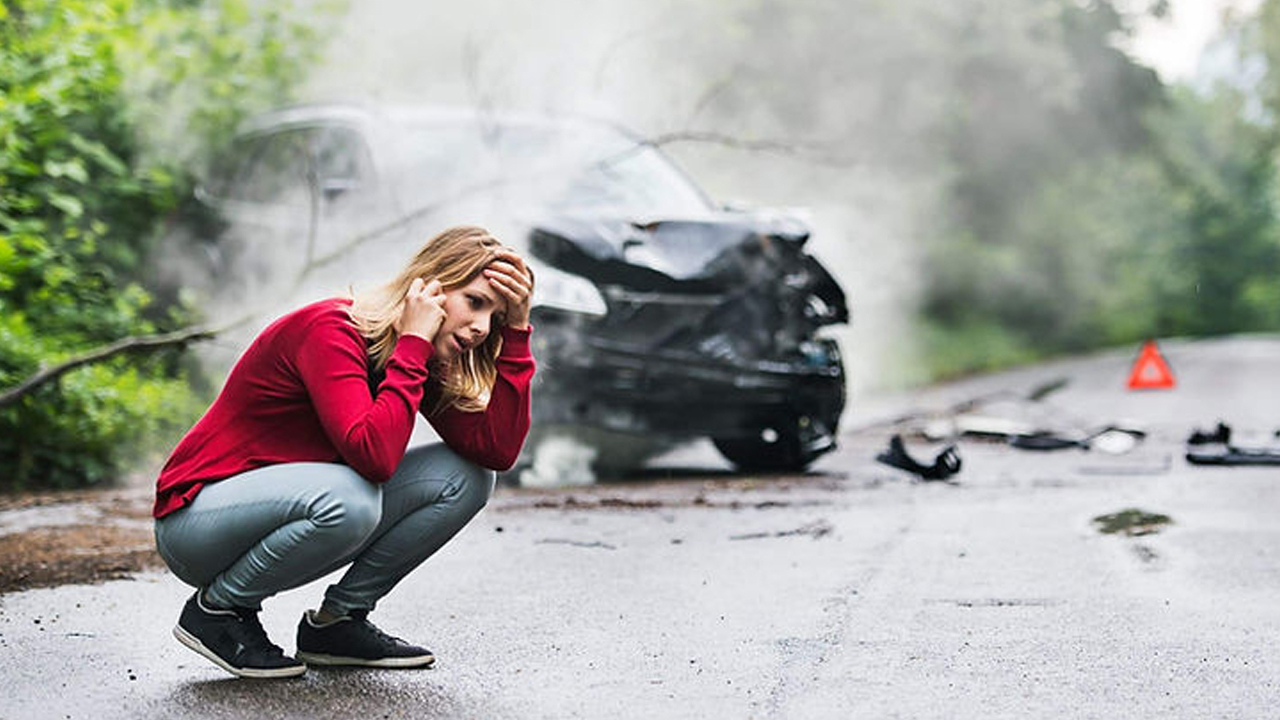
[{"x": 683, "y": 255}]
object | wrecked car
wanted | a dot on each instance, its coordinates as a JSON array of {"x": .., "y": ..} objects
[{"x": 660, "y": 317}]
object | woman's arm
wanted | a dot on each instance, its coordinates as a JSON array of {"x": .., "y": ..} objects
[
  {"x": 370, "y": 433},
  {"x": 493, "y": 438}
]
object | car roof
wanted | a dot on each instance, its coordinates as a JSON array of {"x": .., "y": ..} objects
[{"x": 369, "y": 114}]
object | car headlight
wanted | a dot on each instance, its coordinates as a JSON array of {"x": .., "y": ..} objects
[{"x": 564, "y": 291}]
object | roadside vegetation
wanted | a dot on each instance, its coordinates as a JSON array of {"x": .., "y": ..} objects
[
  {"x": 103, "y": 107},
  {"x": 1139, "y": 210},
  {"x": 1074, "y": 200}
]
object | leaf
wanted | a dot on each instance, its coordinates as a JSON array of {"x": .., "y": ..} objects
[
  {"x": 99, "y": 153},
  {"x": 67, "y": 204},
  {"x": 73, "y": 169}
]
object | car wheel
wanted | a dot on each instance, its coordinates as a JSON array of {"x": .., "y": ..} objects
[{"x": 789, "y": 449}]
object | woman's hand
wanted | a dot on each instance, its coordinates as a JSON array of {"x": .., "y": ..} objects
[
  {"x": 513, "y": 280},
  {"x": 423, "y": 311}
]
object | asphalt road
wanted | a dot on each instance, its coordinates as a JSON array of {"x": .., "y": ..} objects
[{"x": 852, "y": 591}]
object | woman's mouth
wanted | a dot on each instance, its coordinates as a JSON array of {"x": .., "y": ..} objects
[{"x": 458, "y": 345}]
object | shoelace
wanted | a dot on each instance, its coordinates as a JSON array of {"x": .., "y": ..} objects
[{"x": 363, "y": 619}]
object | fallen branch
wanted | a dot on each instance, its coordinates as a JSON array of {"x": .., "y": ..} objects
[
  {"x": 817, "y": 153},
  {"x": 136, "y": 342}
]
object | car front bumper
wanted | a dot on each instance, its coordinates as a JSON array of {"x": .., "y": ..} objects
[{"x": 586, "y": 380}]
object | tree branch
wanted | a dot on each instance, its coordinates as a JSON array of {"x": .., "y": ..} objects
[
  {"x": 812, "y": 152},
  {"x": 136, "y": 342}
]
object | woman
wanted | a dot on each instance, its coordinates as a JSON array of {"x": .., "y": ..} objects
[{"x": 299, "y": 467}]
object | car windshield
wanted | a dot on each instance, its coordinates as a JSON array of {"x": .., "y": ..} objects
[{"x": 578, "y": 168}]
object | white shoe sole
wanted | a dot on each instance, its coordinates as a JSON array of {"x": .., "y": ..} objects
[
  {"x": 194, "y": 643},
  {"x": 392, "y": 662}
]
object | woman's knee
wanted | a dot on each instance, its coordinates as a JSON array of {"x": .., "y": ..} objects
[
  {"x": 466, "y": 481},
  {"x": 351, "y": 505},
  {"x": 471, "y": 486},
  {"x": 479, "y": 484}
]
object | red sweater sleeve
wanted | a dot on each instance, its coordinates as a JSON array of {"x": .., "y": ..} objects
[
  {"x": 493, "y": 437},
  {"x": 370, "y": 433}
]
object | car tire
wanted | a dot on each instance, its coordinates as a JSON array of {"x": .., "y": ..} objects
[{"x": 769, "y": 450}]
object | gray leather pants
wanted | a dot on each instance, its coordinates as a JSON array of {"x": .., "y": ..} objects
[{"x": 253, "y": 535}]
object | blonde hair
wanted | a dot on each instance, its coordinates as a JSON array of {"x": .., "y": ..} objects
[{"x": 454, "y": 257}]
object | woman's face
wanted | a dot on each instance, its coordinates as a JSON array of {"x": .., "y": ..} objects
[{"x": 469, "y": 316}]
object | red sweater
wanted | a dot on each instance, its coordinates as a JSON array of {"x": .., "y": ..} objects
[{"x": 301, "y": 393}]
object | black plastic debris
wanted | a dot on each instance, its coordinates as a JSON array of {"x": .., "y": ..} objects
[
  {"x": 1215, "y": 448},
  {"x": 946, "y": 464},
  {"x": 1220, "y": 434},
  {"x": 1110, "y": 439},
  {"x": 1046, "y": 440}
]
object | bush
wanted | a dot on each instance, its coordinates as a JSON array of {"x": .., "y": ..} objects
[{"x": 82, "y": 196}]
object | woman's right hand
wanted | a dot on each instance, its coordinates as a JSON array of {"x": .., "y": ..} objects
[{"x": 423, "y": 310}]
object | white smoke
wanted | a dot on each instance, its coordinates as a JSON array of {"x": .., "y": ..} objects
[
  {"x": 663, "y": 67},
  {"x": 560, "y": 460}
]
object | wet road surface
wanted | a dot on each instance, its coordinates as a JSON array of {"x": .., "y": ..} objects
[{"x": 850, "y": 591}]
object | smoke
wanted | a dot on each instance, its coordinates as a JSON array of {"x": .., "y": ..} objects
[
  {"x": 850, "y": 94},
  {"x": 560, "y": 460}
]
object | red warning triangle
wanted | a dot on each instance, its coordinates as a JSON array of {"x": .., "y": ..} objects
[{"x": 1150, "y": 371}]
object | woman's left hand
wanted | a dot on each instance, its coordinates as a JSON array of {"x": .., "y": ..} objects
[{"x": 513, "y": 280}]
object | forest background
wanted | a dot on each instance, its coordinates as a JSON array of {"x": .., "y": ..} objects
[{"x": 1011, "y": 184}]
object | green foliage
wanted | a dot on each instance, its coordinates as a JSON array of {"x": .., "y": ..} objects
[
  {"x": 1221, "y": 170},
  {"x": 969, "y": 345},
  {"x": 1132, "y": 211},
  {"x": 102, "y": 103}
]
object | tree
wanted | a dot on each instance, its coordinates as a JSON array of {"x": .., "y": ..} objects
[{"x": 102, "y": 106}]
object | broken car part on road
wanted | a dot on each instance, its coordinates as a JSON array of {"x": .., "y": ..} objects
[
  {"x": 1025, "y": 422},
  {"x": 1216, "y": 448},
  {"x": 1110, "y": 439},
  {"x": 946, "y": 464}
]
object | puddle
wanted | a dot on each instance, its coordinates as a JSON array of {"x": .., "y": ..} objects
[{"x": 1132, "y": 522}]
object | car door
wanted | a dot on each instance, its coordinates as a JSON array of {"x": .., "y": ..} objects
[{"x": 294, "y": 202}]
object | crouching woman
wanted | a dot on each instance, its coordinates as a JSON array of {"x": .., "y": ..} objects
[{"x": 300, "y": 468}]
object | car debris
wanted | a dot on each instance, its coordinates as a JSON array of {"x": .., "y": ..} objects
[
  {"x": 1216, "y": 448},
  {"x": 946, "y": 464},
  {"x": 984, "y": 427},
  {"x": 1111, "y": 439}
]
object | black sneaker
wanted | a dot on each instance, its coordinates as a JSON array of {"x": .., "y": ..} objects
[
  {"x": 234, "y": 640},
  {"x": 353, "y": 640}
]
